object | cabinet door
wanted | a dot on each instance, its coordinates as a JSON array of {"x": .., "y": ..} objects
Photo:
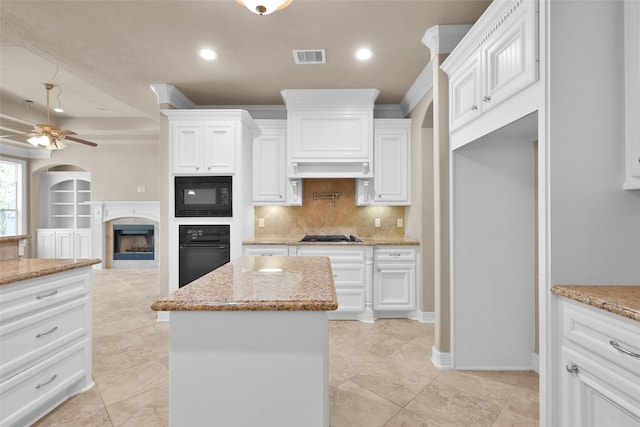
[
  {"x": 632, "y": 93},
  {"x": 219, "y": 148},
  {"x": 464, "y": 93},
  {"x": 510, "y": 57},
  {"x": 595, "y": 396},
  {"x": 46, "y": 244},
  {"x": 65, "y": 244},
  {"x": 269, "y": 174},
  {"x": 392, "y": 168},
  {"x": 82, "y": 244},
  {"x": 187, "y": 143},
  {"x": 394, "y": 287}
]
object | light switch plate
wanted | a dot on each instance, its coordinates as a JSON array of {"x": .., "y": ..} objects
[
  {"x": 376, "y": 222},
  {"x": 400, "y": 222},
  {"x": 261, "y": 222}
]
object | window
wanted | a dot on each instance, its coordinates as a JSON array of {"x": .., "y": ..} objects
[{"x": 12, "y": 209}]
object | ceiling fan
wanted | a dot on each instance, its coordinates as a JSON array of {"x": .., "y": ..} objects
[{"x": 49, "y": 136}]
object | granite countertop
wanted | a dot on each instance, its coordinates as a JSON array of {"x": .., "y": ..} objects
[
  {"x": 366, "y": 241},
  {"x": 17, "y": 238},
  {"x": 253, "y": 283},
  {"x": 16, "y": 270},
  {"x": 621, "y": 300}
]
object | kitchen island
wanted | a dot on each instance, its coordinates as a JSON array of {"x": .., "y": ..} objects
[
  {"x": 249, "y": 344},
  {"x": 45, "y": 330}
]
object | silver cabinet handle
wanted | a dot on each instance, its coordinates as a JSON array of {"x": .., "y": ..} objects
[
  {"x": 486, "y": 98},
  {"x": 572, "y": 368},
  {"x": 394, "y": 255},
  {"x": 197, "y": 168},
  {"x": 379, "y": 270},
  {"x": 474, "y": 107},
  {"x": 335, "y": 276},
  {"x": 50, "y": 331},
  {"x": 48, "y": 294},
  {"x": 621, "y": 349},
  {"x": 53, "y": 378}
]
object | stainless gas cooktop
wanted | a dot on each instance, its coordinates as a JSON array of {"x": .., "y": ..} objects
[{"x": 321, "y": 238}]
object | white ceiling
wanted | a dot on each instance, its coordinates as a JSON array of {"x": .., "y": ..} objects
[{"x": 105, "y": 54}]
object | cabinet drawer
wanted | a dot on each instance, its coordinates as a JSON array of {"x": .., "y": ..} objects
[
  {"x": 350, "y": 300},
  {"x": 592, "y": 330},
  {"x": 44, "y": 385},
  {"x": 335, "y": 253},
  {"x": 346, "y": 275},
  {"x": 395, "y": 254},
  {"x": 266, "y": 251},
  {"x": 25, "y": 298},
  {"x": 32, "y": 339}
]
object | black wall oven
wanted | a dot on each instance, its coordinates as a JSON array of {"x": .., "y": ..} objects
[
  {"x": 203, "y": 196},
  {"x": 203, "y": 248}
]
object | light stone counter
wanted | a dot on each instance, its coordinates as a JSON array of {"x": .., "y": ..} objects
[
  {"x": 366, "y": 241},
  {"x": 15, "y": 270},
  {"x": 621, "y": 300},
  {"x": 259, "y": 284}
]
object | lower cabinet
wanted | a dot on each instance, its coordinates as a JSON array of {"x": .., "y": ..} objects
[
  {"x": 64, "y": 243},
  {"x": 45, "y": 330},
  {"x": 599, "y": 368},
  {"x": 394, "y": 279}
]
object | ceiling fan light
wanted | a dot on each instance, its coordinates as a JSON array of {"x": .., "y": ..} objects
[
  {"x": 42, "y": 140},
  {"x": 56, "y": 144},
  {"x": 264, "y": 7}
]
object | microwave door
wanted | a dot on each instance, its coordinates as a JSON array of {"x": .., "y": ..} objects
[{"x": 200, "y": 196}]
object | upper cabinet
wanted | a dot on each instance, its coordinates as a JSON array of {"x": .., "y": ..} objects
[
  {"x": 207, "y": 142},
  {"x": 494, "y": 61},
  {"x": 330, "y": 133},
  {"x": 392, "y": 165},
  {"x": 64, "y": 200},
  {"x": 270, "y": 183},
  {"x": 632, "y": 93}
]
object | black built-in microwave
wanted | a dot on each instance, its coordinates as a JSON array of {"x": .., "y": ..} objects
[{"x": 202, "y": 196}]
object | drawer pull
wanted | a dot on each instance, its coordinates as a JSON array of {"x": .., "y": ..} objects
[
  {"x": 379, "y": 270},
  {"x": 53, "y": 378},
  {"x": 50, "y": 331},
  {"x": 335, "y": 276},
  {"x": 394, "y": 255},
  {"x": 572, "y": 368},
  {"x": 48, "y": 294},
  {"x": 621, "y": 349}
]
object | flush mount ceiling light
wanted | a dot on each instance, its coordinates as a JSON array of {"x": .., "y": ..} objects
[
  {"x": 264, "y": 7},
  {"x": 364, "y": 54},
  {"x": 207, "y": 54}
]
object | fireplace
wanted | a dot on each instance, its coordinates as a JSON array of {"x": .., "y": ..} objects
[{"x": 133, "y": 242}]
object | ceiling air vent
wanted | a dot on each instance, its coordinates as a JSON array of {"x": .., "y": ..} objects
[{"x": 309, "y": 56}]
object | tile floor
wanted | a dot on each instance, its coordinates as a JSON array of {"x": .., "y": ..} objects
[{"x": 380, "y": 374}]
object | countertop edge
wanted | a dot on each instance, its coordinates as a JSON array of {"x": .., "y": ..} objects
[
  {"x": 365, "y": 242},
  {"x": 40, "y": 272},
  {"x": 611, "y": 304}
]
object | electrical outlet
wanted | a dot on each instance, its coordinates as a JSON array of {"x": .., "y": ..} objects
[
  {"x": 261, "y": 222},
  {"x": 400, "y": 222},
  {"x": 376, "y": 222}
]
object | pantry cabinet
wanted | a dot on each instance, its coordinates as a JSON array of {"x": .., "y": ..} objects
[
  {"x": 45, "y": 329},
  {"x": 392, "y": 161},
  {"x": 206, "y": 148},
  {"x": 632, "y": 94},
  {"x": 599, "y": 367},
  {"x": 270, "y": 183},
  {"x": 493, "y": 64}
]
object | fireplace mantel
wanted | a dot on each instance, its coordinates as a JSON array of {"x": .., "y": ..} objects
[{"x": 105, "y": 211}]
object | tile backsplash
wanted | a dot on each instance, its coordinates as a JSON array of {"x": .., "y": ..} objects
[{"x": 321, "y": 217}]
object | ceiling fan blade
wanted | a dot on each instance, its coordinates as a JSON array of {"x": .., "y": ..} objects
[
  {"x": 17, "y": 135},
  {"x": 68, "y": 132},
  {"x": 81, "y": 141}
]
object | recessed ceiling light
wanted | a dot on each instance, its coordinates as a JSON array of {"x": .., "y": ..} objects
[
  {"x": 364, "y": 54},
  {"x": 207, "y": 54}
]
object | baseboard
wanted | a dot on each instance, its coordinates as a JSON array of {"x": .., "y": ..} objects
[
  {"x": 423, "y": 316},
  {"x": 163, "y": 316},
  {"x": 535, "y": 362},
  {"x": 440, "y": 360}
]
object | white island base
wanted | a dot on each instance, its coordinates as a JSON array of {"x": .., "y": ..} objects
[{"x": 249, "y": 369}]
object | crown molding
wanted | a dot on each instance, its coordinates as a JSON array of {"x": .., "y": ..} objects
[
  {"x": 444, "y": 38},
  {"x": 169, "y": 94}
]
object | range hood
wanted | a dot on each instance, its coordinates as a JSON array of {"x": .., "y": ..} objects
[{"x": 329, "y": 132}]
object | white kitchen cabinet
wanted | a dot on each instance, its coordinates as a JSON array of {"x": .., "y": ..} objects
[
  {"x": 45, "y": 329},
  {"x": 353, "y": 284},
  {"x": 270, "y": 183},
  {"x": 265, "y": 250},
  {"x": 600, "y": 384},
  {"x": 392, "y": 161},
  {"x": 330, "y": 133},
  {"x": 394, "y": 278},
  {"x": 495, "y": 63},
  {"x": 63, "y": 243},
  {"x": 64, "y": 200},
  {"x": 203, "y": 147},
  {"x": 632, "y": 94}
]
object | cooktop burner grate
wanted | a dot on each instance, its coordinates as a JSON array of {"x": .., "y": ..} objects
[{"x": 329, "y": 238}]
